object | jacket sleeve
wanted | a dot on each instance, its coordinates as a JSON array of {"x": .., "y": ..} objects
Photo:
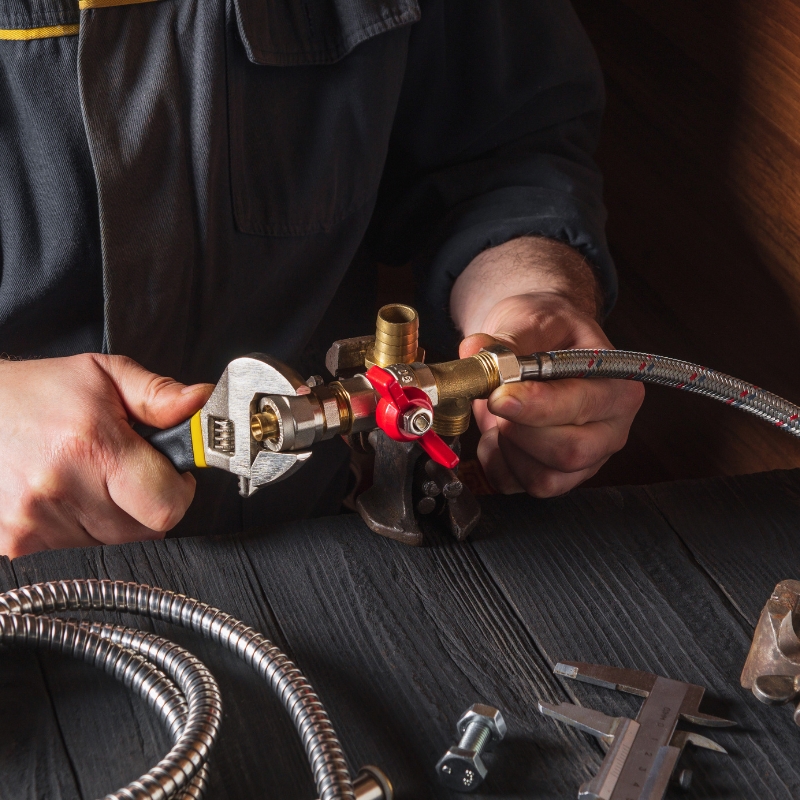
[{"x": 497, "y": 120}]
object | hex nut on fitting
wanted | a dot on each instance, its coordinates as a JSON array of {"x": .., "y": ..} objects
[
  {"x": 461, "y": 767},
  {"x": 417, "y": 421},
  {"x": 506, "y": 361}
]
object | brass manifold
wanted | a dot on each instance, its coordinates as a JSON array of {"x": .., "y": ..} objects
[{"x": 347, "y": 404}]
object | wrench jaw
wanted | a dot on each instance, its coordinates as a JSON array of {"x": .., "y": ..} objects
[{"x": 225, "y": 420}]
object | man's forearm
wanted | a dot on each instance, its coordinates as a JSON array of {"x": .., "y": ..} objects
[{"x": 522, "y": 266}]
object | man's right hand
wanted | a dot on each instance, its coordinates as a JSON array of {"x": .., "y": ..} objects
[{"x": 72, "y": 470}]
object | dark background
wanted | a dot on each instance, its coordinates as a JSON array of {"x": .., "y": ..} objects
[{"x": 700, "y": 152}]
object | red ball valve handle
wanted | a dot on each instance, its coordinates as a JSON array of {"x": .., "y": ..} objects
[{"x": 405, "y": 414}]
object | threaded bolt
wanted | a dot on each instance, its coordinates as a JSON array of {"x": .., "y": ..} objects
[{"x": 461, "y": 767}]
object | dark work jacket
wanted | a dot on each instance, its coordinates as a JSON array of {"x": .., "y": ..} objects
[{"x": 185, "y": 181}]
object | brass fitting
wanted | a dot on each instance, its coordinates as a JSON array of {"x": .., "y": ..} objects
[
  {"x": 264, "y": 425},
  {"x": 468, "y": 378},
  {"x": 478, "y": 376},
  {"x": 396, "y": 337},
  {"x": 451, "y": 417}
]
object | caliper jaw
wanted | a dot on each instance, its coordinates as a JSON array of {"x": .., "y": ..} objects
[{"x": 225, "y": 419}]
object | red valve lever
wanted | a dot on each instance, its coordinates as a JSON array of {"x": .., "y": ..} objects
[{"x": 395, "y": 401}]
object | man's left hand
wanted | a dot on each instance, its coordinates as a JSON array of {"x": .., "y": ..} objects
[{"x": 545, "y": 438}]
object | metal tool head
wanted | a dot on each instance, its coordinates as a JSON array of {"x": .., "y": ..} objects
[
  {"x": 641, "y": 684},
  {"x": 488, "y": 716},
  {"x": 584, "y": 719},
  {"x": 230, "y": 408},
  {"x": 461, "y": 770}
]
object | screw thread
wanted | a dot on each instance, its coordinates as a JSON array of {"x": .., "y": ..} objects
[{"x": 475, "y": 737}]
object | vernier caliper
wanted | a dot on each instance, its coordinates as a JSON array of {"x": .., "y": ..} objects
[{"x": 642, "y": 753}]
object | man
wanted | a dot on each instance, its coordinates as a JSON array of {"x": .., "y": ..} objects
[{"x": 186, "y": 181}]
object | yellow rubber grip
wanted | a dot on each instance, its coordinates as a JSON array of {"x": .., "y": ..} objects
[{"x": 198, "y": 448}]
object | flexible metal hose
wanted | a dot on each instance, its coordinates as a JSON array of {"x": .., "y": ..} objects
[
  {"x": 171, "y": 680},
  {"x": 632, "y": 366}
]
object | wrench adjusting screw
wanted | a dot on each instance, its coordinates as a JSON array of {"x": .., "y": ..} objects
[{"x": 461, "y": 767}]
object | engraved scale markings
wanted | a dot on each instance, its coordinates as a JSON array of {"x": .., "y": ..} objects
[
  {"x": 657, "y": 720},
  {"x": 643, "y": 753}
]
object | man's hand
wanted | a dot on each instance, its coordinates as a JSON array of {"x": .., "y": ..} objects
[
  {"x": 542, "y": 438},
  {"x": 74, "y": 471}
]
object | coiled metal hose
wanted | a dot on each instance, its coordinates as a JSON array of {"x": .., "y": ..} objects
[
  {"x": 171, "y": 680},
  {"x": 626, "y": 365}
]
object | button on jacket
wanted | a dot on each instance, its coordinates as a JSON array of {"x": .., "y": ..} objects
[{"x": 185, "y": 181}]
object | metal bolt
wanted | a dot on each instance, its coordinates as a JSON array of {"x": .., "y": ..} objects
[
  {"x": 431, "y": 489},
  {"x": 426, "y": 505},
  {"x": 461, "y": 767}
]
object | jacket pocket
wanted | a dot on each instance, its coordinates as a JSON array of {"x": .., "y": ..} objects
[{"x": 312, "y": 91}]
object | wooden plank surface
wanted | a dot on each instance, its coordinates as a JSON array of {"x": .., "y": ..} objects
[{"x": 398, "y": 641}]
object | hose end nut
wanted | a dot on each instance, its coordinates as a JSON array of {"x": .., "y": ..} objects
[
  {"x": 372, "y": 784},
  {"x": 506, "y": 363}
]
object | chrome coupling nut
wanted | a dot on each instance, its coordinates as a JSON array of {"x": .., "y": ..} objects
[
  {"x": 461, "y": 768},
  {"x": 372, "y": 784},
  {"x": 505, "y": 361}
]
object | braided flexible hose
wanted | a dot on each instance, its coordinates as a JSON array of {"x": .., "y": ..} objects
[
  {"x": 632, "y": 366},
  {"x": 171, "y": 680}
]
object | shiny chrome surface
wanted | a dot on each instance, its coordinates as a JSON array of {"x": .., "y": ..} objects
[
  {"x": 506, "y": 363},
  {"x": 170, "y": 679},
  {"x": 461, "y": 767},
  {"x": 416, "y": 421},
  {"x": 245, "y": 381}
]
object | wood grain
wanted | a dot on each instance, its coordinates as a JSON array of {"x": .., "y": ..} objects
[
  {"x": 722, "y": 524},
  {"x": 398, "y": 641}
]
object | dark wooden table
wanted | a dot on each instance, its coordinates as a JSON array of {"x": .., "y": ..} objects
[{"x": 399, "y": 641}]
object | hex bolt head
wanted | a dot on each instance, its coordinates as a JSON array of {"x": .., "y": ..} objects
[
  {"x": 461, "y": 770},
  {"x": 486, "y": 715},
  {"x": 426, "y": 505},
  {"x": 461, "y": 767}
]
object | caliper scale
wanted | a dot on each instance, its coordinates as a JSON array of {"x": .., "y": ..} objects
[{"x": 644, "y": 752}]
